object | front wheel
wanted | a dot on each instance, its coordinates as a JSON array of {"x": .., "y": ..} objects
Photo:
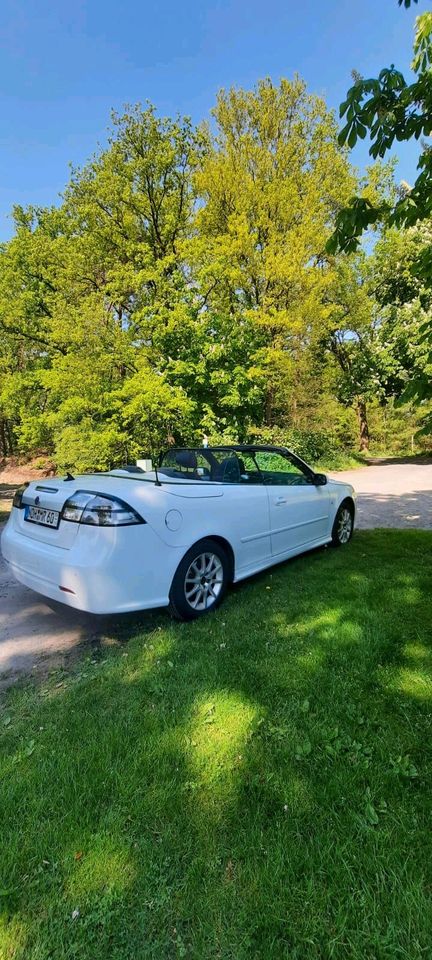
[
  {"x": 200, "y": 581},
  {"x": 343, "y": 526}
]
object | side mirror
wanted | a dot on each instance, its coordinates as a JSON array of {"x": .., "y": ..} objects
[{"x": 319, "y": 479}]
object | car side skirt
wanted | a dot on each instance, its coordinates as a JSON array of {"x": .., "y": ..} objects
[{"x": 280, "y": 557}]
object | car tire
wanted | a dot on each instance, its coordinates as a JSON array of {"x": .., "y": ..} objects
[
  {"x": 343, "y": 527},
  {"x": 200, "y": 581}
]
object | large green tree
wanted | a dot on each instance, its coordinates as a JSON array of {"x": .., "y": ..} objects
[
  {"x": 403, "y": 308},
  {"x": 390, "y": 110},
  {"x": 271, "y": 181},
  {"x": 181, "y": 287},
  {"x": 87, "y": 287},
  {"x": 108, "y": 348}
]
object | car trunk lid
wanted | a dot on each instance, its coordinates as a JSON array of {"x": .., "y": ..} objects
[{"x": 50, "y": 496}]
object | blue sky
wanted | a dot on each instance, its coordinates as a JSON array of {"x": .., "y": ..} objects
[{"x": 63, "y": 66}]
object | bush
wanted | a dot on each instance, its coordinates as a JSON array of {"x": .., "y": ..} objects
[{"x": 311, "y": 445}]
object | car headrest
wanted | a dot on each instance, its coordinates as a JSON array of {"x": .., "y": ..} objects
[
  {"x": 186, "y": 458},
  {"x": 230, "y": 470}
]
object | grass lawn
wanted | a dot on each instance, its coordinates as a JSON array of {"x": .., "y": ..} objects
[
  {"x": 255, "y": 786},
  {"x": 340, "y": 461}
]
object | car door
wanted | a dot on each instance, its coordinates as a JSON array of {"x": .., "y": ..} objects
[
  {"x": 245, "y": 508},
  {"x": 299, "y": 509}
]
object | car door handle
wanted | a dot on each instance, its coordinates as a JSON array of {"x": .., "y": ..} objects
[{"x": 280, "y": 500}]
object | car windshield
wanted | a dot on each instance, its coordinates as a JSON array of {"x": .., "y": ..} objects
[{"x": 220, "y": 465}]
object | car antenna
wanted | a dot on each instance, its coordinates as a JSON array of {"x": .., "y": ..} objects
[
  {"x": 154, "y": 461},
  {"x": 69, "y": 476}
]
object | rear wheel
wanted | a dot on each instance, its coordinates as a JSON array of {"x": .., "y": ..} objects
[
  {"x": 343, "y": 526},
  {"x": 200, "y": 581}
]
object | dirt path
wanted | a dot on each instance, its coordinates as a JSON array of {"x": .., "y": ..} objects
[
  {"x": 39, "y": 635},
  {"x": 392, "y": 495},
  {"x": 34, "y": 632}
]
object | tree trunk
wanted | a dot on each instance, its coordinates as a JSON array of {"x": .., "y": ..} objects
[
  {"x": 10, "y": 437},
  {"x": 3, "y": 446},
  {"x": 6, "y": 438},
  {"x": 269, "y": 406},
  {"x": 363, "y": 425}
]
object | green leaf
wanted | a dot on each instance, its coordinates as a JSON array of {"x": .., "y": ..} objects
[
  {"x": 344, "y": 134},
  {"x": 352, "y": 138},
  {"x": 371, "y": 814}
]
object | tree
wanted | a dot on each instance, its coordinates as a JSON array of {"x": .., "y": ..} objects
[
  {"x": 27, "y": 294},
  {"x": 390, "y": 109},
  {"x": 271, "y": 181},
  {"x": 87, "y": 287},
  {"x": 349, "y": 336},
  {"x": 403, "y": 307},
  {"x": 181, "y": 288}
]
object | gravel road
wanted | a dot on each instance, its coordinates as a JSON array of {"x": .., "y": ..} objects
[
  {"x": 36, "y": 635},
  {"x": 395, "y": 495}
]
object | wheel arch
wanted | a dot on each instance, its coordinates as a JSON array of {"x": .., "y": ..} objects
[
  {"x": 226, "y": 546},
  {"x": 349, "y": 502}
]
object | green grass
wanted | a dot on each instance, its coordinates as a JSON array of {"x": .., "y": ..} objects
[{"x": 255, "y": 786}]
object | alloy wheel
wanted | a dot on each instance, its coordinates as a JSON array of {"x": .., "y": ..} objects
[
  {"x": 203, "y": 581},
  {"x": 344, "y": 527}
]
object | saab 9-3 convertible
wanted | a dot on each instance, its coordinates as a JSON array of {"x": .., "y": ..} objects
[{"x": 176, "y": 535}]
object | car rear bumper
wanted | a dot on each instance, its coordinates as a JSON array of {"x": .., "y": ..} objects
[{"x": 107, "y": 570}]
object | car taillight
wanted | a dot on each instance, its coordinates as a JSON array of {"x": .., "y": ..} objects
[
  {"x": 17, "y": 497},
  {"x": 97, "y": 509}
]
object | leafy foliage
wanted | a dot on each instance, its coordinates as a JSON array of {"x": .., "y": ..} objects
[
  {"x": 181, "y": 288},
  {"x": 390, "y": 109}
]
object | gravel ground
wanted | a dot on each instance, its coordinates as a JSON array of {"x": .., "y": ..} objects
[
  {"x": 37, "y": 636},
  {"x": 395, "y": 495}
]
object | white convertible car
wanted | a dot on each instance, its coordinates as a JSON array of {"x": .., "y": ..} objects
[{"x": 203, "y": 518}]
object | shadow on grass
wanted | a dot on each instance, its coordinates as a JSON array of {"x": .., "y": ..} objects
[{"x": 255, "y": 785}]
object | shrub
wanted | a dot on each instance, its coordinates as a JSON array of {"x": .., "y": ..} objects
[{"x": 311, "y": 445}]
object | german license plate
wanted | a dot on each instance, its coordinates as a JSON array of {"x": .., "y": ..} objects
[{"x": 47, "y": 518}]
